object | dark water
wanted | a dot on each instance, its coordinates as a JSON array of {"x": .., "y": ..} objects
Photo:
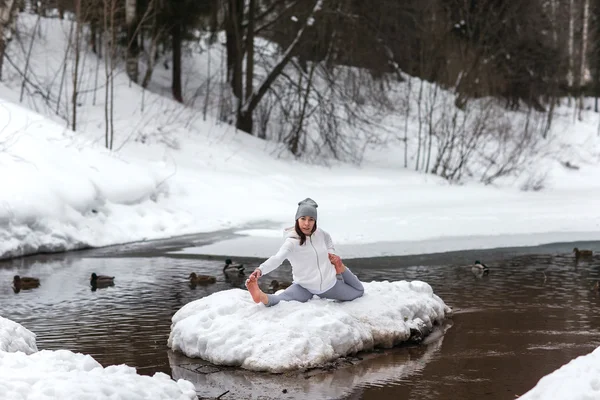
[{"x": 533, "y": 313}]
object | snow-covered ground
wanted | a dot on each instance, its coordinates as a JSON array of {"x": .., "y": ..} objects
[
  {"x": 175, "y": 173},
  {"x": 15, "y": 337},
  {"x": 228, "y": 328},
  {"x": 28, "y": 374},
  {"x": 579, "y": 379},
  {"x": 62, "y": 191}
]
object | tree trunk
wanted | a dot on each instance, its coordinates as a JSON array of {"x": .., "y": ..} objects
[
  {"x": 244, "y": 119},
  {"x": 79, "y": 23},
  {"x": 584, "y": 46},
  {"x": 152, "y": 57},
  {"x": 132, "y": 43},
  {"x": 40, "y": 8},
  {"x": 571, "y": 71},
  {"x": 244, "y": 122},
  {"x": 250, "y": 51},
  {"x": 554, "y": 22},
  {"x": 28, "y": 59},
  {"x": 214, "y": 21},
  {"x": 597, "y": 55},
  {"x": 2, "y": 49},
  {"x": 235, "y": 50},
  {"x": 93, "y": 37},
  {"x": 8, "y": 15},
  {"x": 109, "y": 62},
  {"x": 176, "y": 41},
  {"x": 64, "y": 69}
]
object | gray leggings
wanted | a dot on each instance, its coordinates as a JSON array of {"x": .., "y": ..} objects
[{"x": 347, "y": 289}]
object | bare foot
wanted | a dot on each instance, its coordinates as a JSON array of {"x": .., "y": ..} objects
[
  {"x": 337, "y": 263},
  {"x": 339, "y": 267},
  {"x": 257, "y": 295}
]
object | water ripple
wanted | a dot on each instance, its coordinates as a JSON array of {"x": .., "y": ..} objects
[{"x": 530, "y": 315}]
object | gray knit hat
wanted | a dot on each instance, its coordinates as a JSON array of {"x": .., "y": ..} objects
[{"x": 307, "y": 208}]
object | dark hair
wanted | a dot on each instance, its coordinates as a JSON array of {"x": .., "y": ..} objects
[{"x": 301, "y": 234}]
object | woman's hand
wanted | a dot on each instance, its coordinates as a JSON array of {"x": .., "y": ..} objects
[
  {"x": 337, "y": 262},
  {"x": 334, "y": 258},
  {"x": 256, "y": 274}
]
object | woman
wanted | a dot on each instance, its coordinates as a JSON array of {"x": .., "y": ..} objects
[{"x": 310, "y": 251}]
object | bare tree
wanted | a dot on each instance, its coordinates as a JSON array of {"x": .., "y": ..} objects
[
  {"x": 8, "y": 17},
  {"x": 250, "y": 51},
  {"x": 595, "y": 61},
  {"x": 64, "y": 68},
  {"x": 553, "y": 7},
  {"x": 176, "y": 42},
  {"x": 77, "y": 53},
  {"x": 481, "y": 142},
  {"x": 408, "y": 103},
  {"x": 571, "y": 45},
  {"x": 584, "y": 47},
  {"x": 110, "y": 8},
  {"x": 249, "y": 99},
  {"x": 28, "y": 58},
  {"x": 156, "y": 32},
  {"x": 131, "y": 23}
]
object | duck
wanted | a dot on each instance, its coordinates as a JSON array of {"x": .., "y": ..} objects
[
  {"x": 101, "y": 280},
  {"x": 25, "y": 282},
  {"x": 570, "y": 165},
  {"x": 479, "y": 268},
  {"x": 201, "y": 279},
  {"x": 596, "y": 287},
  {"x": 278, "y": 285},
  {"x": 234, "y": 276},
  {"x": 231, "y": 267},
  {"x": 582, "y": 253},
  {"x": 479, "y": 265}
]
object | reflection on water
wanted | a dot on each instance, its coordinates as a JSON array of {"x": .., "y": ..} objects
[
  {"x": 530, "y": 315},
  {"x": 377, "y": 369}
]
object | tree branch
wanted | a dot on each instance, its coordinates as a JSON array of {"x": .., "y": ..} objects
[{"x": 256, "y": 96}]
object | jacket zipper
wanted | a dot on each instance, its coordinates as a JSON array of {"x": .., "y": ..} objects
[{"x": 319, "y": 268}]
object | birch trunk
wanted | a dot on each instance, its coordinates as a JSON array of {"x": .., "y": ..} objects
[{"x": 77, "y": 54}]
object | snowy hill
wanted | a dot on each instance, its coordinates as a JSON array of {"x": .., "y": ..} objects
[{"x": 174, "y": 172}]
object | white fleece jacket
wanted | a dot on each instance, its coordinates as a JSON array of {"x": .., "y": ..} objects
[{"x": 311, "y": 267}]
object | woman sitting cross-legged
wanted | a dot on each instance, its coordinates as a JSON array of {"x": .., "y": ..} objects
[{"x": 311, "y": 252}]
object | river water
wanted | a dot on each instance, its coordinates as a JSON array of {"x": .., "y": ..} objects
[{"x": 534, "y": 312}]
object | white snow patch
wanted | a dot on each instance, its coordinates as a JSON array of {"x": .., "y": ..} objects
[
  {"x": 579, "y": 379},
  {"x": 15, "y": 337},
  {"x": 64, "y": 375},
  {"x": 29, "y": 374}
]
